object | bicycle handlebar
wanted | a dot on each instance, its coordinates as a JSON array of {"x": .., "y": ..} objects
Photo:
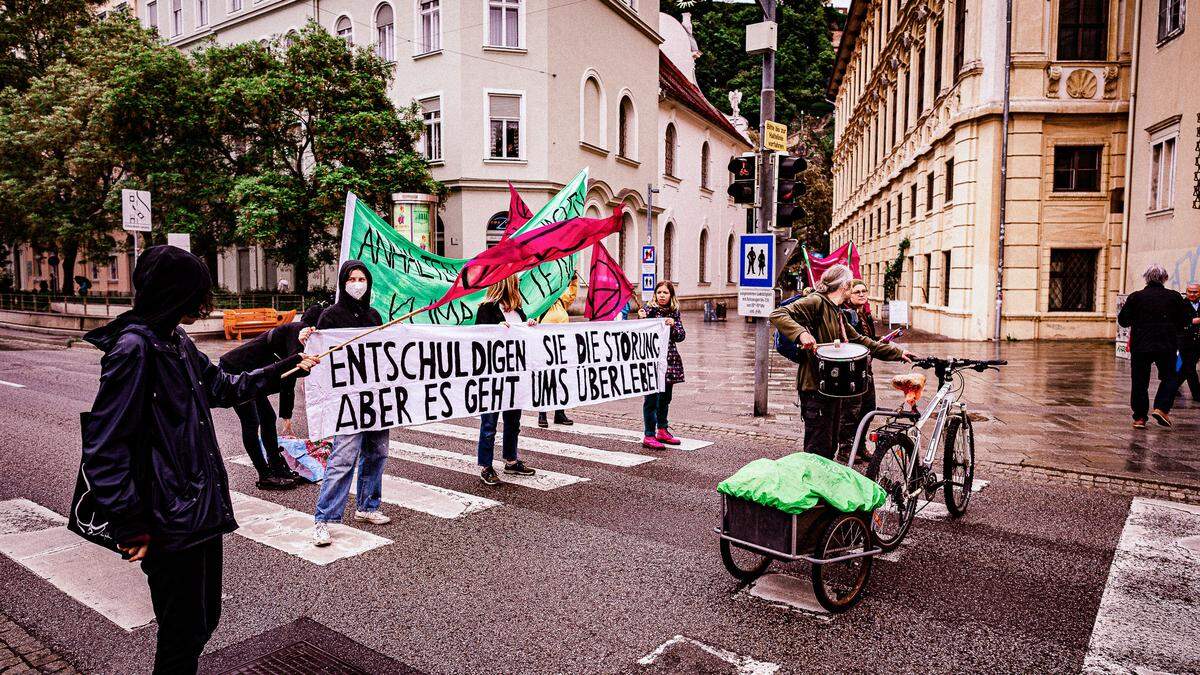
[{"x": 958, "y": 364}]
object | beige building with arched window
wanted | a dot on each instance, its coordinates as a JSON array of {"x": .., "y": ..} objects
[{"x": 919, "y": 87}]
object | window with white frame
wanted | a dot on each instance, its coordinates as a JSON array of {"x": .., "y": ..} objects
[
  {"x": 504, "y": 121},
  {"x": 431, "y": 112},
  {"x": 235, "y": 5},
  {"x": 176, "y": 17},
  {"x": 703, "y": 278},
  {"x": 201, "y": 12},
  {"x": 704, "y": 152},
  {"x": 593, "y": 113},
  {"x": 1170, "y": 18},
  {"x": 344, "y": 28},
  {"x": 669, "y": 150},
  {"x": 385, "y": 33},
  {"x": 431, "y": 26},
  {"x": 152, "y": 14},
  {"x": 504, "y": 23},
  {"x": 1162, "y": 172}
]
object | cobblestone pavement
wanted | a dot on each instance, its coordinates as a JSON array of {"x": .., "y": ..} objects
[{"x": 21, "y": 652}]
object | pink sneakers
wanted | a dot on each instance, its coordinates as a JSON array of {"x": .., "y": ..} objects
[
  {"x": 652, "y": 443},
  {"x": 664, "y": 436}
]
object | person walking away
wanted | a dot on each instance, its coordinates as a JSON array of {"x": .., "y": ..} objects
[
  {"x": 858, "y": 315},
  {"x": 657, "y": 407},
  {"x": 557, "y": 313},
  {"x": 816, "y": 318},
  {"x": 501, "y": 306},
  {"x": 257, "y": 417},
  {"x": 366, "y": 449},
  {"x": 1189, "y": 343},
  {"x": 150, "y": 456},
  {"x": 1154, "y": 316}
]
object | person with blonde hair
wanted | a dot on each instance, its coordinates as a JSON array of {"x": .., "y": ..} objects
[
  {"x": 818, "y": 319},
  {"x": 501, "y": 306}
]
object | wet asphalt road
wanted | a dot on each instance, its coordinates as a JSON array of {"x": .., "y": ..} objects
[{"x": 590, "y": 577}]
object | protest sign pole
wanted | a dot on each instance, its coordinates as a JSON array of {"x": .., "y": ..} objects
[{"x": 361, "y": 335}]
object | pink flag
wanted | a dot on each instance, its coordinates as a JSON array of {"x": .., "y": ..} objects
[
  {"x": 608, "y": 289},
  {"x": 518, "y": 213},
  {"x": 528, "y": 250},
  {"x": 846, "y": 254}
]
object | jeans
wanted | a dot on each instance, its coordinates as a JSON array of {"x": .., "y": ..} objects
[
  {"x": 185, "y": 590},
  {"x": 1190, "y": 355},
  {"x": 258, "y": 421},
  {"x": 655, "y": 408},
  {"x": 822, "y": 415},
  {"x": 1139, "y": 369},
  {"x": 367, "y": 449},
  {"x": 486, "y": 450}
]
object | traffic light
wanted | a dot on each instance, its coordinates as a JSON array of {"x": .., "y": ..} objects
[
  {"x": 743, "y": 187},
  {"x": 788, "y": 190}
]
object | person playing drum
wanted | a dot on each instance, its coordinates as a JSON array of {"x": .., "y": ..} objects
[{"x": 816, "y": 320}]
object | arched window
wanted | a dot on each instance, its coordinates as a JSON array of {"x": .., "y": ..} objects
[
  {"x": 345, "y": 29},
  {"x": 668, "y": 250},
  {"x": 730, "y": 275},
  {"x": 669, "y": 150},
  {"x": 627, "y": 128},
  {"x": 704, "y": 165},
  {"x": 592, "y": 117},
  {"x": 704, "y": 252},
  {"x": 623, "y": 237},
  {"x": 385, "y": 43}
]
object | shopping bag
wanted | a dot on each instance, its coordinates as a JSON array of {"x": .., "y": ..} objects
[{"x": 86, "y": 518}]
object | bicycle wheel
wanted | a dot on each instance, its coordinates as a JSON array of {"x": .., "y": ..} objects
[
  {"x": 958, "y": 464},
  {"x": 839, "y": 585},
  {"x": 743, "y": 564},
  {"x": 889, "y": 468}
]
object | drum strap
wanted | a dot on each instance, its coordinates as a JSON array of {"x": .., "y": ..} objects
[{"x": 841, "y": 318}]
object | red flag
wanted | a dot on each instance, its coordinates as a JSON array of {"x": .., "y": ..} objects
[
  {"x": 518, "y": 213},
  {"x": 608, "y": 289},
  {"x": 846, "y": 254},
  {"x": 528, "y": 250}
]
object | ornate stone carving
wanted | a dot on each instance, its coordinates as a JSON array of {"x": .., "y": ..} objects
[
  {"x": 1081, "y": 83},
  {"x": 1112, "y": 76},
  {"x": 1053, "y": 75}
]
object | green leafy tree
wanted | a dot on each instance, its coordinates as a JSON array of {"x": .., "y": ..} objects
[
  {"x": 35, "y": 33},
  {"x": 294, "y": 125}
]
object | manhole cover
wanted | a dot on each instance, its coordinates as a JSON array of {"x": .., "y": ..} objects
[
  {"x": 302, "y": 647},
  {"x": 296, "y": 659}
]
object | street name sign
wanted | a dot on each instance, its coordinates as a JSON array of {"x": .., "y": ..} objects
[
  {"x": 135, "y": 210},
  {"x": 756, "y": 278}
]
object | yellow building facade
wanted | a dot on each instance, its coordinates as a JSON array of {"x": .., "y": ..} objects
[{"x": 920, "y": 90}]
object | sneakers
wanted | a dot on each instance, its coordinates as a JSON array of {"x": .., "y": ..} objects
[
  {"x": 372, "y": 517},
  {"x": 518, "y": 468},
  {"x": 664, "y": 436},
  {"x": 488, "y": 476},
  {"x": 560, "y": 417},
  {"x": 652, "y": 443},
  {"x": 320, "y": 535},
  {"x": 1139, "y": 424},
  {"x": 1161, "y": 417},
  {"x": 542, "y": 422}
]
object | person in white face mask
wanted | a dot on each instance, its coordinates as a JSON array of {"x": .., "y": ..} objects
[{"x": 367, "y": 449}]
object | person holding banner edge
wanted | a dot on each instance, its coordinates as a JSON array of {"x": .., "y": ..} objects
[
  {"x": 656, "y": 407},
  {"x": 501, "y": 306},
  {"x": 366, "y": 449}
]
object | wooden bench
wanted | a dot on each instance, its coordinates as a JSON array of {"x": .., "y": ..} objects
[{"x": 256, "y": 320}]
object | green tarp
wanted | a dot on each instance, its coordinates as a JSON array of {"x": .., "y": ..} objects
[{"x": 795, "y": 483}]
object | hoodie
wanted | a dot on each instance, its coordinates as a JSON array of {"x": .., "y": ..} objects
[{"x": 348, "y": 312}]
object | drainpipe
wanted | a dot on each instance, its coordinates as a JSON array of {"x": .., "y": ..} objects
[
  {"x": 1003, "y": 170},
  {"x": 1126, "y": 211}
]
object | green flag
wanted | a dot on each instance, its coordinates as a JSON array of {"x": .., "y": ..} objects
[{"x": 406, "y": 277}]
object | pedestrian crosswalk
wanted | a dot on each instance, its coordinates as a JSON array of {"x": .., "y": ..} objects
[
  {"x": 632, "y": 435},
  {"x": 543, "y": 446},
  {"x": 456, "y": 461}
]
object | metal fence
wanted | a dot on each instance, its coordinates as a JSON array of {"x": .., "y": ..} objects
[{"x": 112, "y": 305}]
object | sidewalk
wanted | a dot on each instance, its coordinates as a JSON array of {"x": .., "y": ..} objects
[{"x": 20, "y": 652}]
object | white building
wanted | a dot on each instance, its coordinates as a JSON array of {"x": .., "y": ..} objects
[{"x": 526, "y": 91}]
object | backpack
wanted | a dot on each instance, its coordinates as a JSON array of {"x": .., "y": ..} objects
[{"x": 786, "y": 348}]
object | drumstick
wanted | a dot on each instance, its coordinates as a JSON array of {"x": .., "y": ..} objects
[{"x": 336, "y": 347}]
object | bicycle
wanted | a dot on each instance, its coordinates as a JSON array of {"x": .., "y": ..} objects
[{"x": 894, "y": 464}]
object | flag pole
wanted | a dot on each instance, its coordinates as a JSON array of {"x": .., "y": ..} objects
[
  {"x": 808, "y": 266},
  {"x": 336, "y": 347}
]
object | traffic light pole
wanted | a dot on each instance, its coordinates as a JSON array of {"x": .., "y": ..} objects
[{"x": 766, "y": 203}]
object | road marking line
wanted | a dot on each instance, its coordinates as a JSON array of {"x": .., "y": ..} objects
[
  {"x": 12, "y": 384},
  {"x": 290, "y": 531},
  {"x": 790, "y": 592},
  {"x": 612, "y": 433},
  {"x": 34, "y": 537},
  {"x": 430, "y": 499},
  {"x": 454, "y": 461},
  {"x": 744, "y": 664},
  {"x": 1150, "y": 610},
  {"x": 546, "y": 447}
]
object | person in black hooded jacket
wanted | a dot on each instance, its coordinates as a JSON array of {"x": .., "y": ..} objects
[
  {"x": 257, "y": 417},
  {"x": 150, "y": 455},
  {"x": 366, "y": 449}
]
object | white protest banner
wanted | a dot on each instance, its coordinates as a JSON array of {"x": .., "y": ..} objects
[{"x": 411, "y": 374}]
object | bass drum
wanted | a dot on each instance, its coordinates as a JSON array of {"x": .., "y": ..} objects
[{"x": 843, "y": 370}]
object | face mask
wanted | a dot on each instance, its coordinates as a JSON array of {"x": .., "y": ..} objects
[{"x": 356, "y": 289}]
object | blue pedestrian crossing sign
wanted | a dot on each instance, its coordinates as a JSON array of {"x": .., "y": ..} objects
[
  {"x": 756, "y": 261},
  {"x": 649, "y": 272}
]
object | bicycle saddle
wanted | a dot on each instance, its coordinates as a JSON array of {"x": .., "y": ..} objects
[{"x": 912, "y": 385}]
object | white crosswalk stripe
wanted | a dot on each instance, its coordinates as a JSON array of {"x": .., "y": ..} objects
[
  {"x": 430, "y": 499},
  {"x": 543, "y": 446},
  {"x": 454, "y": 461},
  {"x": 290, "y": 531},
  {"x": 612, "y": 433}
]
